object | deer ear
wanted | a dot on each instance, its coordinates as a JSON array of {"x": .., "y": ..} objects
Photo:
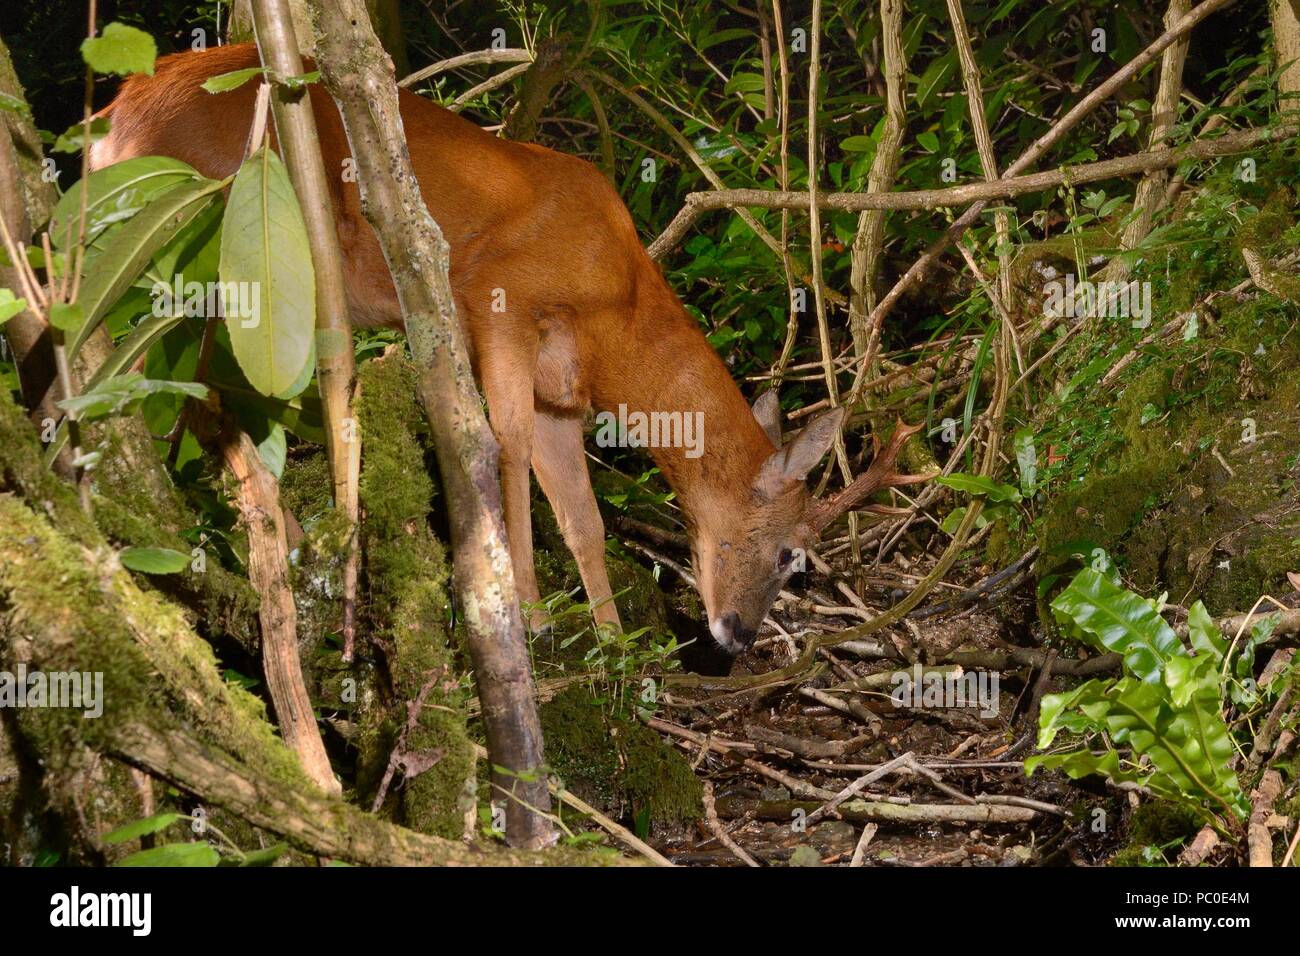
[
  {"x": 800, "y": 456},
  {"x": 767, "y": 410}
]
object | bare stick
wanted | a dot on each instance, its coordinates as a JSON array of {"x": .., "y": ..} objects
[
  {"x": 719, "y": 831},
  {"x": 473, "y": 58},
  {"x": 296, "y": 128},
  {"x": 860, "y": 851},
  {"x": 980, "y": 192},
  {"x": 268, "y": 570}
]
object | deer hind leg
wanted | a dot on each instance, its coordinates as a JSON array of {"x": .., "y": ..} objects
[
  {"x": 506, "y": 371},
  {"x": 561, "y": 469}
]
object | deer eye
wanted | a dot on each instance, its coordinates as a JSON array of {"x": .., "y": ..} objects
[{"x": 783, "y": 558}]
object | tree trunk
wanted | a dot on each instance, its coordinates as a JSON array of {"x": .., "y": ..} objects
[
  {"x": 1286, "y": 46},
  {"x": 385, "y": 17},
  {"x": 360, "y": 77}
]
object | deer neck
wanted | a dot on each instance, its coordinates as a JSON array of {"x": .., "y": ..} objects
[{"x": 707, "y": 443}]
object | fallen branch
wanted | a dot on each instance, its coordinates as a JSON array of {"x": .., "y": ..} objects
[
  {"x": 863, "y": 811},
  {"x": 719, "y": 832},
  {"x": 1259, "y": 842}
]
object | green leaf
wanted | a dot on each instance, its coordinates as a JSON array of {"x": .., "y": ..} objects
[
  {"x": 233, "y": 80},
  {"x": 10, "y": 305},
  {"x": 120, "y": 50},
  {"x": 154, "y": 560},
  {"x": 67, "y": 317},
  {"x": 857, "y": 144},
  {"x": 116, "y": 193},
  {"x": 1118, "y": 620},
  {"x": 15, "y": 104},
  {"x": 1204, "y": 633},
  {"x": 264, "y": 250},
  {"x": 265, "y": 857},
  {"x": 73, "y": 139},
  {"x": 123, "y": 393},
  {"x": 273, "y": 450},
  {"x": 979, "y": 486},
  {"x": 153, "y": 824},
  {"x": 174, "y": 854},
  {"x": 1027, "y": 461},
  {"x": 130, "y": 349},
  {"x": 933, "y": 78},
  {"x": 299, "y": 81},
  {"x": 109, "y": 274},
  {"x": 744, "y": 83}
]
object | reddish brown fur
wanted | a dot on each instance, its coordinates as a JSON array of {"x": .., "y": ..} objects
[{"x": 589, "y": 320}]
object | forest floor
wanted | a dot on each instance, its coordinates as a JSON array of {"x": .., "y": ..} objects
[{"x": 949, "y": 786}]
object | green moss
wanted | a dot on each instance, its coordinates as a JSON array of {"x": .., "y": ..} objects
[
  {"x": 406, "y": 601},
  {"x": 1157, "y": 823},
  {"x": 1147, "y": 478},
  {"x": 224, "y": 603},
  {"x": 93, "y": 618},
  {"x": 620, "y": 766}
]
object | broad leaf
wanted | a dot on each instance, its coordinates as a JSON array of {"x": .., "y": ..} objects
[
  {"x": 979, "y": 486},
  {"x": 174, "y": 854},
  {"x": 9, "y": 305},
  {"x": 123, "y": 393},
  {"x": 154, "y": 560},
  {"x": 122, "y": 358},
  {"x": 120, "y": 50},
  {"x": 109, "y": 274},
  {"x": 268, "y": 284},
  {"x": 1114, "y": 619},
  {"x": 116, "y": 193}
]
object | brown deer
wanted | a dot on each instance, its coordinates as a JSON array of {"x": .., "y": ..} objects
[{"x": 564, "y": 312}]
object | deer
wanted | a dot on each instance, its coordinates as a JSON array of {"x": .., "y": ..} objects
[{"x": 565, "y": 314}]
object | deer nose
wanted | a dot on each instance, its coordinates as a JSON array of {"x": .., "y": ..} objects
[{"x": 730, "y": 634}]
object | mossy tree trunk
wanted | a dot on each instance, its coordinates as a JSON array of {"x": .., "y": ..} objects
[
  {"x": 67, "y": 605},
  {"x": 360, "y": 78}
]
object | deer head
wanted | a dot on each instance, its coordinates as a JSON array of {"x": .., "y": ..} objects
[{"x": 745, "y": 549}]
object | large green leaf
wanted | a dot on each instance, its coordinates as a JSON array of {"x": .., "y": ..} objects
[
  {"x": 1204, "y": 633},
  {"x": 1167, "y": 708},
  {"x": 266, "y": 262},
  {"x": 154, "y": 560},
  {"x": 124, "y": 393},
  {"x": 1118, "y": 620},
  {"x": 110, "y": 273},
  {"x": 115, "y": 194}
]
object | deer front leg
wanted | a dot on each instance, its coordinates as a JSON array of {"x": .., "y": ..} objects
[
  {"x": 561, "y": 469},
  {"x": 507, "y": 376}
]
